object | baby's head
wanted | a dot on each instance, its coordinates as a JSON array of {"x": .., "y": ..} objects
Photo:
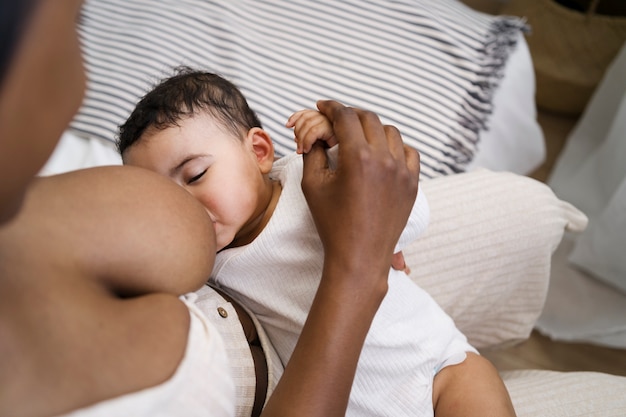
[
  {"x": 197, "y": 129},
  {"x": 183, "y": 95}
]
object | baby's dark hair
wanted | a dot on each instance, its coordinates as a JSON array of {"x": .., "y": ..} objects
[{"x": 182, "y": 95}]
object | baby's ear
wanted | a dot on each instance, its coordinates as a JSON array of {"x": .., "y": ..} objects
[{"x": 263, "y": 148}]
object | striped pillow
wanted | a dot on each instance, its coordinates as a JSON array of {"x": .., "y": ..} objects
[{"x": 428, "y": 67}]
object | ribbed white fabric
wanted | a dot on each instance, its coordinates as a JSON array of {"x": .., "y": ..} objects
[
  {"x": 486, "y": 254},
  {"x": 537, "y": 393},
  {"x": 428, "y": 67},
  {"x": 411, "y": 338}
]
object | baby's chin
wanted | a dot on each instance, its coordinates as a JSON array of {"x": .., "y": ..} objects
[
  {"x": 221, "y": 239},
  {"x": 221, "y": 246},
  {"x": 223, "y": 243},
  {"x": 224, "y": 238}
]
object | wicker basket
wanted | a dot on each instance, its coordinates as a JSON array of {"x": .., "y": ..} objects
[{"x": 570, "y": 49}]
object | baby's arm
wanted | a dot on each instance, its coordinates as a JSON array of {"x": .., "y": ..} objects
[{"x": 309, "y": 126}]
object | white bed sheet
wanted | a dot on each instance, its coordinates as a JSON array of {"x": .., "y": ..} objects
[{"x": 76, "y": 152}]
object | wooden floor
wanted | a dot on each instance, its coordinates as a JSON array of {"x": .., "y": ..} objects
[{"x": 539, "y": 352}]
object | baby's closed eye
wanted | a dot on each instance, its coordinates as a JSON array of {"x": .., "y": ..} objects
[{"x": 196, "y": 177}]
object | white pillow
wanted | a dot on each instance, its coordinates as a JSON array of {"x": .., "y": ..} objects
[
  {"x": 539, "y": 393},
  {"x": 513, "y": 140},
  {"x": 75, "y": 152},
  {"x": 486, "y": 254}
]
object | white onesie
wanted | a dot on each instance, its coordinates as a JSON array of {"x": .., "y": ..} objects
[{"x": 276, "y": 276}]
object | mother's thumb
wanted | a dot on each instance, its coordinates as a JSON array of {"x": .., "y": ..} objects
[{"x": 315, "y": 163}]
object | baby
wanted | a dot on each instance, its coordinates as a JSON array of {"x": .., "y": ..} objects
[{"x": 197, "y": 129}]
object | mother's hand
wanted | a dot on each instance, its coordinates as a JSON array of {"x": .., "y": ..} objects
[{"x": 361, "y": 208}]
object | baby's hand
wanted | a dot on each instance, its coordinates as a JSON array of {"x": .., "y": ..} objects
[
  {"x": 398, "y": 263},
  {"x": 310, "y": 126}
]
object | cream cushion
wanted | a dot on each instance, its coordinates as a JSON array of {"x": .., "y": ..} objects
[
  {"x": 538, "y": 393},
  {"x": 486, "y": 254},
  {"x": 486, "y": 259}
]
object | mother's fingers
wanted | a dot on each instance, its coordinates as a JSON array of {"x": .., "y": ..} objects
[
  {"x": 345, "y": 121},
  {"x": 394, "y": 143},
  {"x": 315, "y": 169},
  {"x": 373, "y": 188},
  {"x": 354, "y": 125},
  {"x": 374, "y": 131},
  {"x": 402, "y": 153},
  {"x": 412, "y": 158},
  {"x": 355, "y": 128}
]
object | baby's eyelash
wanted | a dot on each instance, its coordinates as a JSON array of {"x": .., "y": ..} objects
[{"x": 196, "y": 178}]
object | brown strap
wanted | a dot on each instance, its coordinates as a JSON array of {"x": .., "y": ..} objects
[{"x": 256, "y": 350}]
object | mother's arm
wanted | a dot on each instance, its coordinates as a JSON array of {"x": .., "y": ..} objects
[
  {"x": 40, "y": 91},
  {"x": 374, "y": 168}
]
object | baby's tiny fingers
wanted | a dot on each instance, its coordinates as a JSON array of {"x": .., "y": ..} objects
[{"x": 293, "y": 119}]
